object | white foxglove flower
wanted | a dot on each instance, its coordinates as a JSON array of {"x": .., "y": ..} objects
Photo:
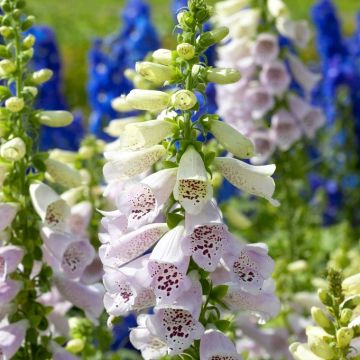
[
  {"x": 298, "y": 106},
  {"x": 249, "y": 266},
  {"x": 150, "y": 346},
  {"x": 232, "y": 140},
  {"x": 63, "y": 156},
  {"x": 126, "y": 164},
  {"x": 207, "y": 237},
  {"x": 64, "y": 251},
  {"x": 53, "y": 211},
  {"x": 264, "y": 146},
  {"x": 304, "y": 77},
  {"x": 149, "y": 100},
  {"x": 255, "y": 180},
  {"x": 141, "y": 202},
  {"x": 298, "y": 31},
  {"x": 168, "y": 266},
  {"x": 229, "y": 7},
  {"x": 285, "y": 128},
  {"x": 115, "y": 224},
  {"x": 183, "y": 100},
  {"x": 264, "y": 304},
  {"x": 145, "y": 134},
  {"x": 223, "y": 76},
  {"x": 10, "y": 258},
  {"x": 55, "y": 119},
  {"x": 215, "y": 345},
  {"x": 177, "y": 325},
  {"x": 193, "y": 188},
  {"x": 8, "y": 212},
  {"x": 117, "y": 127},
  {"x": 14, "y": 104},
  {"x": 313, "y": 120},
  {"x": 41, "y": 76},
  {"x": 265, "y": 49},
  {"x": 11, "y": 338},
  {"x": 87, "y": 298},
  {"x": 258, "y": 100},
  {"x": 135, "y": 243},
  {"x": 13, "y": 150},
  {"x": 63, "y": 174},
  {"x": 275, "y": 77}
]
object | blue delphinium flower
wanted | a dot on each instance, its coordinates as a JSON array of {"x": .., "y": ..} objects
[
  {"x": 111, "y": 56},
  {"x": 51, "y": 97}
]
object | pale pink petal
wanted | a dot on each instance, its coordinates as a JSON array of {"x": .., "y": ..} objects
[
  {"x": 7, "y": 214},
  {"x": 60, "y": 353},
  {"x": 80, "y": 216},
  {"x": 298, "y": 106},
  {"x": 87, "y": 298},
  {"x": 264, "y": 146},
  {"x": 135, "y": 243},
  {"x": 10, "y": 257},
  {"x": 8, "y": 290},
  {"x": 215, "y": 345},
  {"x": 313, "y": 120},
  {"x": 93, "y": 272},
  {"x": 11, "y": 338},
  {"x": 258, "y": 100}
]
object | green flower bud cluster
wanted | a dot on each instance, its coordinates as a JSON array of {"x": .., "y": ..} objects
[{"x": 336, "y": 321}]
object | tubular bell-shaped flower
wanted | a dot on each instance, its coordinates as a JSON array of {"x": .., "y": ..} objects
[
  {"x": 193, "y": 188},
  {"x": 8, "y": 212},
  {"x": 255, "y": 180},
  {"x": 215, "y": 345},
  {"x": 11, "y": 338},
  {"x": 10, "y": 257}
]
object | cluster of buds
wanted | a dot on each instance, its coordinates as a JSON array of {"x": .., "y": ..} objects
[
  {"x": 337, "y": 322},
  {"x": 165, "y": 244},
  {"x": 266, "y": 94}
]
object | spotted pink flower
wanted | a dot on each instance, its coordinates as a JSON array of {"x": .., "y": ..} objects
[
  {"x": 207, "y": 237},
  {"x": 214, "y": 345}
]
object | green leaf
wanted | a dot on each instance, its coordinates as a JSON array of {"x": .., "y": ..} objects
[
  {"x": 223, "y": 325},
  {"x": 206, "y": 287},
  {"x": 173, "y": 220},
  {"x": 219, "y": 292}
]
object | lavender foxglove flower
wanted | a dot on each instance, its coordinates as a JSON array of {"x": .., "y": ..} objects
[
  {"x": 10, "y": 257},
  {"x": 11, "y": 338}
]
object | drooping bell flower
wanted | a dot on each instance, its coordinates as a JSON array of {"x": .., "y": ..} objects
[
  {"x": 10, "y": 257},
  {"x": 215, "y": 345},
  {"x": 8, "y": 290},
  {"x": 8, "y": 212},
  {"x": 11, "y": 338}
]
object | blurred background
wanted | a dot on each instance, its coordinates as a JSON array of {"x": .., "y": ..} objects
[{"x": 77, "y": 22}]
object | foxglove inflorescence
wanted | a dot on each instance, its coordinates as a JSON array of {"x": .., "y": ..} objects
[
  {"x": 275, "y": 84},
  {"x": 165, "y": 245}
]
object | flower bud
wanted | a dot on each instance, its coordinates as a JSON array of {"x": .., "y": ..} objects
[
  {"x": 149, "y": 100},
  {"x": 86, "y": 152},
  {"x": 75, "y": 345},
  {"x": 212, "y": 37},
  {"x": 302, "y": 352},
  {"x": 3, "y": 173},
  {"x": 185, "y": 18},
  {"x": 41, "y": 76},
  {"x": 63, "y": 155},
  {"x": 85, "y": 176},
  {"x": 63, "y": 174},
  {"x": 29, "y": 41},
  {"x": 344, "y": 336},
  {"x": 14, "y": 104},
  {"x": 73, "y": 196},
  {"x": 345, "y": 316},
  {"x": 324, "y": 297},
  {"x": 277, "y": 8},
  {"x": 27, "y": 55},
  {"x": 230, "y": 7},
  {"x": 55, "y": 119},
  {"x": 321, "y": 319},
  {"x": 28, "y": 23},
  {"x": 183, "y": 100},
  {"x": 154, "y": 72},
  {"x": 351, "y": 285},
  {"x": 223, "y": 76},
  {"x": 6, "y": 67},
  {"x": 186, "y": 51},
  {"x": 232, "y": 140},
  {"x": 13, "y": 150},
  {"x": 31, "y": 90},
  {"x": 163, "y": 56},
  {"x": 119, "y": 104},
  {"x": 351, "y": 302},
  {"x": 5, "y": 31},
  {"x": 116, "y": 127}
]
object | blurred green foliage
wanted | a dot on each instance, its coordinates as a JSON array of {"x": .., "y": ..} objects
[{"x": 77, "y": 22}]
